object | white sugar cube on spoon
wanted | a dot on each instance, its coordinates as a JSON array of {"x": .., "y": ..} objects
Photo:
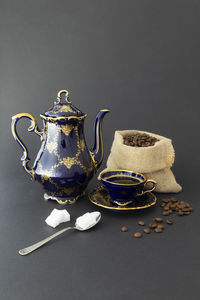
[
  {"x": 87, "y": 220},
  {"x": 57, "y": 216}
]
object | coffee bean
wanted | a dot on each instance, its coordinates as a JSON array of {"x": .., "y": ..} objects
[
  {"x": 137, "y": 234},
  {"x": 173, "y": 206},
  {"x": 141, "y": 223},
  {"x": 187, "y": 213},
  {"x": 124, "y": 229},
  {"x": 166, "y": 208},
  {"x": 174, "y": 199},
  {"x": 179, "y": 205},
  {"x": 160, "y": 226},
  {"x": 153, "y": 225},
  {"x": 165, "y": 200},
  {"x": 159, "y": 220},
  {"x": 173, "y": 209},
  {"x": 158, "y": 230},
  {"x": 166, "y": 213},
  {"x": 169, "y": 222},
  {"x": 180, "y": 213},
  {"x": 185, "y": 209},
  {"x": 147, "y": 230}
]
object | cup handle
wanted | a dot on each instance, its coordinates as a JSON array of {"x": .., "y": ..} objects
[{"x": 150, "y": 190}]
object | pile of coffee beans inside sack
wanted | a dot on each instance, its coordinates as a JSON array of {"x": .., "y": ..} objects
[
  {"x": 140, "y": 140},
  {"x": 169, "y": 206}
]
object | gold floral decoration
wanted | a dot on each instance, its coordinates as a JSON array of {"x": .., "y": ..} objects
[
  {"x": 65, "y": 108},
  {"x": 81, "y": 144},
  {"x": 51, "y": 147},
  {"x": 66, "y": 129}
]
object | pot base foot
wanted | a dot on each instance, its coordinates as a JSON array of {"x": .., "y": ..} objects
[{"x": 63, "y": 200}]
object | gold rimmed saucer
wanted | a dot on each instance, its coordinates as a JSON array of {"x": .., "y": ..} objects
[{"x": 100, "y": 197}]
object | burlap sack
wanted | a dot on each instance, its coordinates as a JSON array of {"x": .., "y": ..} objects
[{"x": 153, "y": 161}]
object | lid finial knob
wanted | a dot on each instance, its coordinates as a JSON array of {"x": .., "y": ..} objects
[{"x": 59, "y": 95}]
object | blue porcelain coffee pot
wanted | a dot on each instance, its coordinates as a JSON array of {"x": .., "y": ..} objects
[{"x": 64, "y": 164}]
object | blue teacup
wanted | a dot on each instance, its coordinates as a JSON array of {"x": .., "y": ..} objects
[{"x": 123, "y": 186}]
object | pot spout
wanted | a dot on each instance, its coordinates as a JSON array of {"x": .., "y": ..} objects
[{"x": 97, "y": 151}]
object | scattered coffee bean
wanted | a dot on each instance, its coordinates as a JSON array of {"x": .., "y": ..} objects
[
  {"x": 124, "y": 229},
  {"x": 147, "y": 230},
  {"x": 161, "y": 226},
  {"x": 159, "y": 220},
  {"x": 173, "y": 199},
  {"x": 141, "y": 223},
  {"x": 173, "y": 206},
  {"x": 185, "y": 209},
  {"x": 137, "y": 234},
  {"x": 153, "y": 225},
  {"x": 169, "y": 222},
  {"x": 166, "y": 208},
  {"x": 180, "y": 213},
  {"x": 165, "y": 200},
  {"x": 158, "y": 230},
  {"x": 166, "y": 213},
  {"x": 187, "y": 213}
]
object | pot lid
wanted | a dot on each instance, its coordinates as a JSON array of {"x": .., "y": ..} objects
[{"x": 63, "y": 110}]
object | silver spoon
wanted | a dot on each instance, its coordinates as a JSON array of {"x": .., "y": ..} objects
[{"x": 37, "y": 245}]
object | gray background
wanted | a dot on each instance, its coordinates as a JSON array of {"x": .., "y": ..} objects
[{"x": 141, "y": 60}]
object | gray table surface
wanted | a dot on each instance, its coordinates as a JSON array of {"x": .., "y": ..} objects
[{"x": 141, "y": 60}]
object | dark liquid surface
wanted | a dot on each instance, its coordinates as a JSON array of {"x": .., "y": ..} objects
[{"x": 123, "y": 180}]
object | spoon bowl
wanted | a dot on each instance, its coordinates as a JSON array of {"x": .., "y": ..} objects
[{"x": 98, "y": 217}]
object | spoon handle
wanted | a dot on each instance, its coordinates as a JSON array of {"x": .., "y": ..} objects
[{"x": 37, "y": 245}]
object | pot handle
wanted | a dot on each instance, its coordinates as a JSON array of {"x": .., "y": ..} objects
[
  {"x": 33, "y": 127},
  {"x": 150, "y": 190}
]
